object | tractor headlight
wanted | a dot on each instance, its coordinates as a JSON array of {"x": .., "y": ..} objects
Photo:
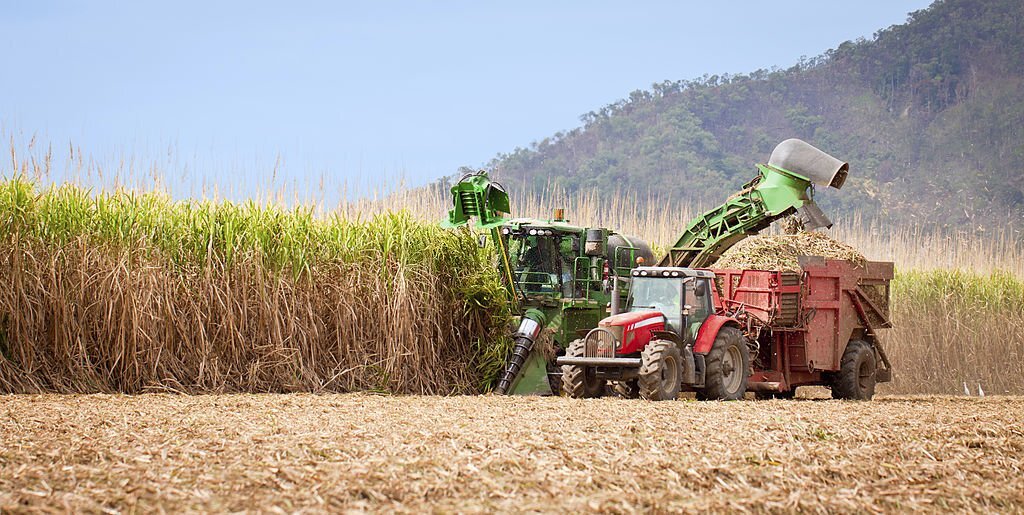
[
  {"x": 533, "y": 232},
  {"x": 644, "y": 272},
  {"x": 506, "y": 231}
]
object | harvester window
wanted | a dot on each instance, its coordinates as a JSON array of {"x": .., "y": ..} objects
[{"x": 538, "y": 263}]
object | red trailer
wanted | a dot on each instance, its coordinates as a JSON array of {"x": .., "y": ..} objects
[
  {"x": 722, "y": 333},
  {"x": 803, "y": 323}
]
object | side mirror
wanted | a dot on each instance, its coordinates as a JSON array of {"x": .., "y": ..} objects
[
  {"x": 481, "y": 241},
  {"x": 701, "y": 288}
]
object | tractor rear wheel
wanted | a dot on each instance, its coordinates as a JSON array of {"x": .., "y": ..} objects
[
  {"x": 580, "y": 382},
  {"x": 856, "y": 377},
  {"x": 627, "y": 389},
  {"x": 727, "y": 367},
  {"x": 660, "y": 371}
]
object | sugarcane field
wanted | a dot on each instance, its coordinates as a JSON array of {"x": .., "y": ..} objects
[{"x": 246, "y": 267}]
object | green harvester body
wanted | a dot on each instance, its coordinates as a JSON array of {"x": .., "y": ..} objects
[{"x": 556, "y": 273}]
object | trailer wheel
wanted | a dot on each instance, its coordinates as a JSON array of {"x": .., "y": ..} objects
[
  {"x": 627, "y": 389},
  {"x": 856, "y": 377},
  {"x": 660, "y": 374},
  {"x": 580, "y": 382},
  {"x": 728, "y": 367}
]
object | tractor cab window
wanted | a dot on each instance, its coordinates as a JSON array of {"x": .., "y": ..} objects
[
  {"x": 698, "y": 297},
  {"x": 658, "y": 294}
]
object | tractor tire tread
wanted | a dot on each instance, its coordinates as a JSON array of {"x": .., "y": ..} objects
[
  {"x": 714, "y": 389},
  {"x": 574, "y": 377},
  {"x": 653, "y": 358}
]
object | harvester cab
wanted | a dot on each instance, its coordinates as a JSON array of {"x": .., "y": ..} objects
[{"x": 561, "y": 278}]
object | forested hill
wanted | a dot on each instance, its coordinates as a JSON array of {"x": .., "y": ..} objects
[{"x": 930, "y": 114}]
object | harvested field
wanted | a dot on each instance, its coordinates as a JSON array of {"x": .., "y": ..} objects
[{"x": 412, "y": 453}]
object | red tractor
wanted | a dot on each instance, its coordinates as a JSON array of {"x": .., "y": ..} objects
[{"x": 722, "y": 333}]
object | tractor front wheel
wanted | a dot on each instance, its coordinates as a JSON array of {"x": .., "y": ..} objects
[
  {"x": 580, "y": 382},
  {"x": 660, "y": 371},
  {"x": 727, "y": 367},
  {"x": 856, "y": 377}
]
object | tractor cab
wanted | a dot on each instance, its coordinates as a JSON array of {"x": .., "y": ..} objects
[{"x": 682, "y": 296}]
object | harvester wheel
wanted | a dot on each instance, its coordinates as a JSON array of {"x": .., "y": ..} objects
[
  {"x": 728, "y": 367},
  {"x": 627, "y": 389},
  {"x": 660, "y": 371},
  {"x": 580, "y": 382},
  {"x": 856, "y": 377}
]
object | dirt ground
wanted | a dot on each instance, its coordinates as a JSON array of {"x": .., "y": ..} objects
[{"x": 469, "y": 454}]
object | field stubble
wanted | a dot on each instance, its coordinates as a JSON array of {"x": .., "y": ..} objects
[{"x": 481, "y": 454}]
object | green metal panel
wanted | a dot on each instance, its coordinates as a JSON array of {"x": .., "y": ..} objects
[
  {"x": 477, "y": 196},
  {"x": 533, "y": 378}
]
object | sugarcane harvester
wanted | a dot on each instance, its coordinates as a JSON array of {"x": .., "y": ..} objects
[
  {"x": 722, "y": 332},
  {"x": 561, "y": 278}
]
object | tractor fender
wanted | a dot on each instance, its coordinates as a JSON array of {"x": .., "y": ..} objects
[{"x": 709, "y": 331}]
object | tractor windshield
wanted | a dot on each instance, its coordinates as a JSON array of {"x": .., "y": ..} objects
[{"x": 663, "y": 294}]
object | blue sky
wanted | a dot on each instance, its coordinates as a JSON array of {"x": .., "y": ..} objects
[{"x": 365, "y": 93}]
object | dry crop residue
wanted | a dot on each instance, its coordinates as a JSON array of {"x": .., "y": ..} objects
[
  {"x": 331, "y": 452},
  {"x": 782, "y": 251}
]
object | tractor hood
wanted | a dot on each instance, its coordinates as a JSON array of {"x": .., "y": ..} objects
[
  {"x": 633, "y": 330},
  {"x": 630, "y": 318}
]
